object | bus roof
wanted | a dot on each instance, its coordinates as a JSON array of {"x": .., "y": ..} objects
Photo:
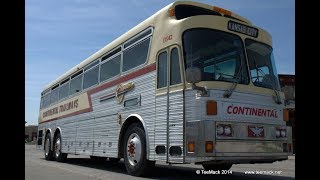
[{"x": 135, "y": 30}]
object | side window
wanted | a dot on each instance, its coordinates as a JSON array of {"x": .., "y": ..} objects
[
  {"x": 137, "y": 38},
  {"x": 54, "y": 95},
  {"x": 41, "y": 103},
  {"x": 175, "y": 77},
  {"x": 162, "y": 70},
  {"x": 136, "y": 55},
  {"x": 63, "y": 90},
  {"x": 110, "y": 68},
  {"x": 76, "y": 84},
  {"x": 46, "y": 100},
  {"x": 90, "y": 77}
]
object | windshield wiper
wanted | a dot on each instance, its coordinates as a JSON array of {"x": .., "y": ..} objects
[
  {"x": 236, "y": 81},
  {"x": 229, "y": 91},
  {"x": 277, "y": 98}
]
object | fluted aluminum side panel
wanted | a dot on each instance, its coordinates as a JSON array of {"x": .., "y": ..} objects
[
  {"x": 106, "y": 136},
  {"x": 107, "y": 128},
  {"x": 161, "y": 125},
  {"x": 193, "y": 108},
  {"x": 68, "y": 134},
  {"x": 97, "y": 132},
  {"x": 175, "y": 124},
  {"x": 84, "y": 139}
]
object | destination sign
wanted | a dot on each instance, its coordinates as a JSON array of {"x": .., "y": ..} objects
[{"x": 243, "y": 29}]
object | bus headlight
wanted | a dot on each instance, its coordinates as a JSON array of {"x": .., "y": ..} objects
[
  {"x": 227, "y": 130},
  {"x": 224, "y": 130},
  {"x": 283, "y": 133},
  {"x": 277, "y": 132},
  {"x": 219, "y": 130}
]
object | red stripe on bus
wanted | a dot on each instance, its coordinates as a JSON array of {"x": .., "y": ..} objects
[
  {"x": 71, "y": 114},
  {"x": 122, "y": 79},
  {"x": 145, "y": 70},
  {"x": 108, "y": 95}
]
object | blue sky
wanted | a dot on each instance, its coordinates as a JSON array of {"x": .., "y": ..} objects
[{"x": 61, "y": 34}]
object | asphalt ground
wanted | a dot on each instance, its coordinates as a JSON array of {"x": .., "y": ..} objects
[{"x": 79, "y": 167}]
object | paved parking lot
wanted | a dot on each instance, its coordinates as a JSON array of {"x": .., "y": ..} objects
[{"x": 82, "y": 168}]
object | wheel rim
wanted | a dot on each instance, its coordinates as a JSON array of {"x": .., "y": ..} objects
[
  {"x": 57, "y": 147},
  {"x": 134, "y": 149},
  {"x": 47, "y": 147}
]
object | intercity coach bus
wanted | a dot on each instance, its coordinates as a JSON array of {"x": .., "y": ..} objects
[{"x": 193, "y": 83}]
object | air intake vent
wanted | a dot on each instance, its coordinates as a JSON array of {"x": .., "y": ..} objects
[{"x": 185, "y": 11}]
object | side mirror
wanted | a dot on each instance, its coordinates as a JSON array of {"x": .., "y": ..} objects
[{"x": 193, "y": 75}]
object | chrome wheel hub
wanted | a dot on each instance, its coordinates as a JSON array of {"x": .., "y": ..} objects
[
  {"x": 134, "y": 149},
  {"x": 57, "y": 147},
  {"x": 46, "y": 148}
]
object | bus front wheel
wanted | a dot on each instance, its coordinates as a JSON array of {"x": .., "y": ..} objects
[
  {"x": 48, "y": 153},
  {"x": 135, "y": 151}
]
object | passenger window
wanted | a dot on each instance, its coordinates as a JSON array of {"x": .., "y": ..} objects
[
  {"x": 110, "y": 68},
  {"x": 175, "y": 77},
  {"x": 76, "y": 84},
  {"x": 41, "y": 103},
  {"x": 136, "y": 55},
  {"x": 64, "y": 90},
  {"x": 90, "y": 77},
  {"x": 162, "y": 70},
  {"x": 137, "y": 38},
  {"x": 54, "y": 95},
  {"x": 46, "y": 100}
]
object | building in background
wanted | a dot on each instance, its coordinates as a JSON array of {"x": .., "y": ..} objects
[
  {"x": 287, "y": 83},
  {"x": 30, "y": 133}
]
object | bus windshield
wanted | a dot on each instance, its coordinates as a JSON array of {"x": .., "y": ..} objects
[
  {"x": 219, "y": 55},
  {"x": 261, "y": 63}
]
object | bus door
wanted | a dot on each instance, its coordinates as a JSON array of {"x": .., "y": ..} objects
[{"x": 169, "y": 105}]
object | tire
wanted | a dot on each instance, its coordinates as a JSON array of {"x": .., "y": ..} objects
[
  {"x": 114, "y": 160},
  {"x": 98, "y": 159},
  {"x": 48, "y": 153},
  {"x": 135, "y": 152},
  {"x": 216, "y": 167},
  {"x": 58, "y": 155}
]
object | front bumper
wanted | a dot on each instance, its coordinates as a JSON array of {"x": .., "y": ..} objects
[{"x": 236, "y": 149}]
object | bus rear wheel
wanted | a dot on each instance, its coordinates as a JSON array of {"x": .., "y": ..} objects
[
  {"x": 48, "y": 153},
  {"x": 216, "y": 167},
  {"x": 134, "y": 151},
  {"x": 58, "y": 155}
]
